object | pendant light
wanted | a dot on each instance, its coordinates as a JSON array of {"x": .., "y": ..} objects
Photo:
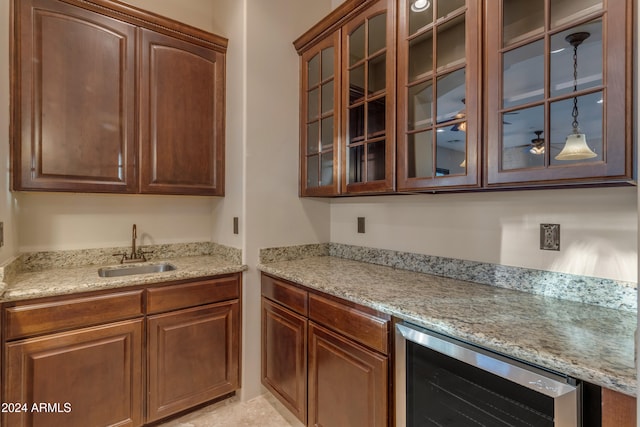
[
  {"x": 575, "y": 146},
  {"x": 537, "y": 144}
]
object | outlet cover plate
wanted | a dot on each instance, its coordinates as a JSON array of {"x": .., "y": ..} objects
[{"x": 550, "y": 237}]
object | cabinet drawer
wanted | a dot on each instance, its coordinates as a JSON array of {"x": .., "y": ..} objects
[
  {"x": 365, "y": 328},
  {"x": 67, "y": 313},
  {"x": 191, "y": 294},
  {"x": 285, "y": 294}
]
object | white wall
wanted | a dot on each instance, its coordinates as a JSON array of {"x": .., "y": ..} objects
[
  {"x": 599, "y": 227},
  {"x": 7, "y": 215},
  {"x": 275, "y": 216}
]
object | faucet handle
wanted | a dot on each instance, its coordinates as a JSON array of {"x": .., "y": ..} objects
[
  {"x": 142, "y": 254},
  {"x": 122, "y": 255}
]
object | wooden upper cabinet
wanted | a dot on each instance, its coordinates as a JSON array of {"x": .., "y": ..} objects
[
  {"x": 74, "y": 99},
  {"x": 439, "y": 89},
  {"x": 368, "y": 100},
  {"x": 558, "y": 71},
  {"x": 320, "y": 118},
  {"x": 181, "y": 117},
  {"x": 348, "y": 81},
  {"x": 110, "y": 98}
]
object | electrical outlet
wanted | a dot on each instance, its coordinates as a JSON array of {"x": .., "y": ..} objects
[
  {"x": 235, "y": 225},
  {"x": 1, "y": 234},
  {"x": 360, "y": 224},
  {"x": 550, "y": 237}
]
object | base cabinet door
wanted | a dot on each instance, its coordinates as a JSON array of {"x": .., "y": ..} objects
[
  {"x": 284, "y": 356},
  {"x": 97, "y": 380},
  {"x": 347, "y": 382},
  {"x": 193, "y": 357}
]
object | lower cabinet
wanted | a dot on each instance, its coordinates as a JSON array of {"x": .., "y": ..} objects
[
  {"x": 284, "y": 356},
  {"x": 325, "y": 359},
  {"x": 193, "y": 357},
  {"x": 347, "y": 382},
  {"x": 86, "y": 377},
  {"x": 86, "y": 360}
]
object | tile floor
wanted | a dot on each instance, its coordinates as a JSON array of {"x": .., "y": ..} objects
[{"x": 262, "y": 411}]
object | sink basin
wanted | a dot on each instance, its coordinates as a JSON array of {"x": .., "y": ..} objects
[{"x": 128, "y": 270}]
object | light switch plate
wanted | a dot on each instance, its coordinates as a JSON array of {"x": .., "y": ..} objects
[{"x": 550, "y": 237}]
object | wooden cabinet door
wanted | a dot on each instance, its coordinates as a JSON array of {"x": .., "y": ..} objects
[
  {"x": 557, "y": 69},
  {"x": 193, "y": 357},
  {"x": 74, "y": 96},
  {"x": 618, "y": 410},
  {"x": 439, "y": 89},
  {"x": 320, "y": 118},
  {"x": 348, "y": 383},
  {"x": 368, "y": 100},
  {"x": 284, "y": 357},
  {"x": 181, "y": 117},
  {"x": 86, "y": 377}
]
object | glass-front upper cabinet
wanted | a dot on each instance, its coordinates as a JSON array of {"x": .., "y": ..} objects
[
  {"x": 558, "y": 91},
  {"x": 439, "y": 88},
  {"x": 320, "y": 118},
  {"x": 368, "y": 100}
]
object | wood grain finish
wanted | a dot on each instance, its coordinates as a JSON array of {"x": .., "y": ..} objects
[
  {"x": 616, "y": 164},
  {"x": 181, "y": 117},
  {"x": 193, "y": 357},
  {"x": 358, "y": 325},
  {"x": 74, "y": 125},
  {"x": 285, "y": 294},
  {"x": 284, "y": 357},
  {"x": 190, "y": 294},
  {"x": 618, "y": 410},
  {"x": 107, "y": 97},
  {"x": 97, "y": 371},
  {"x": 29, "y": 318},
  {"x": 347, "y": 383}
]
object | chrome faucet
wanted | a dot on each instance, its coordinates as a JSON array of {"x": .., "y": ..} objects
[{"x": 136, "y": 255}]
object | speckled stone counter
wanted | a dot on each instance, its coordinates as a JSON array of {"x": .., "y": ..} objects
[
  {"x": 589, "y": 342},
  {"x": 42, "y": 274}
]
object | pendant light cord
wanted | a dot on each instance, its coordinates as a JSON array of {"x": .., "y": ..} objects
[{"x": 574, "y": 113}]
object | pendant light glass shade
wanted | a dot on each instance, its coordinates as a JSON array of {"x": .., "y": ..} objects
[{"x": 576, "y": 148}]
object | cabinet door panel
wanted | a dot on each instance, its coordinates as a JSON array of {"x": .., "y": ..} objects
[
  {"x": 97, "y": 371},
  {"x": 75, "y": 99},
  {"x": 558, "y": 77},
  {"x": 193, "y": 357},
  {"x": 181, "y": 117},
  {"x": 284, "y": 357},
  {"x": 347, "y": 383},
  {"x": 368, "y": 100}
]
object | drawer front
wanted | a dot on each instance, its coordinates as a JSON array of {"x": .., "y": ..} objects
[
  {"x": 365, "y": 328},
  {"x": 68, "y": 313},
  {"x": 285, "y": 294},
  {"x": 191, "y": 294}
]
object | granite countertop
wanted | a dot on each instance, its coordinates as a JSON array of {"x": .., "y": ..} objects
[
  {"x": 57, "y": 273},
  {"x": 592, "y": 343}
]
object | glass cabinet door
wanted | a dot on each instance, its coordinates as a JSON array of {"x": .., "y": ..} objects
[
  {"x": 438, "y": 94},
  {"x": 368, "y": 96},
  {"x": 320, "y": 119},
  {"x": 558, "y": 71}
]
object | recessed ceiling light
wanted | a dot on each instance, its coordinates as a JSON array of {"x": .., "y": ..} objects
[
  {"x": 420, "y": 5},
  {"x": 557, "y": 50}
]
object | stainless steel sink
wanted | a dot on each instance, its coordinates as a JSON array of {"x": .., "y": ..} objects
[{"x": 128, "y": 270}]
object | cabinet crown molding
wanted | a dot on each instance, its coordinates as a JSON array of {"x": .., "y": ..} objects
[{"x": 153, "y": 21}]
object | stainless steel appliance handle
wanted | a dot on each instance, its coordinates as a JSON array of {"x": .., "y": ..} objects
[{"x": 527, "y": 376}]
